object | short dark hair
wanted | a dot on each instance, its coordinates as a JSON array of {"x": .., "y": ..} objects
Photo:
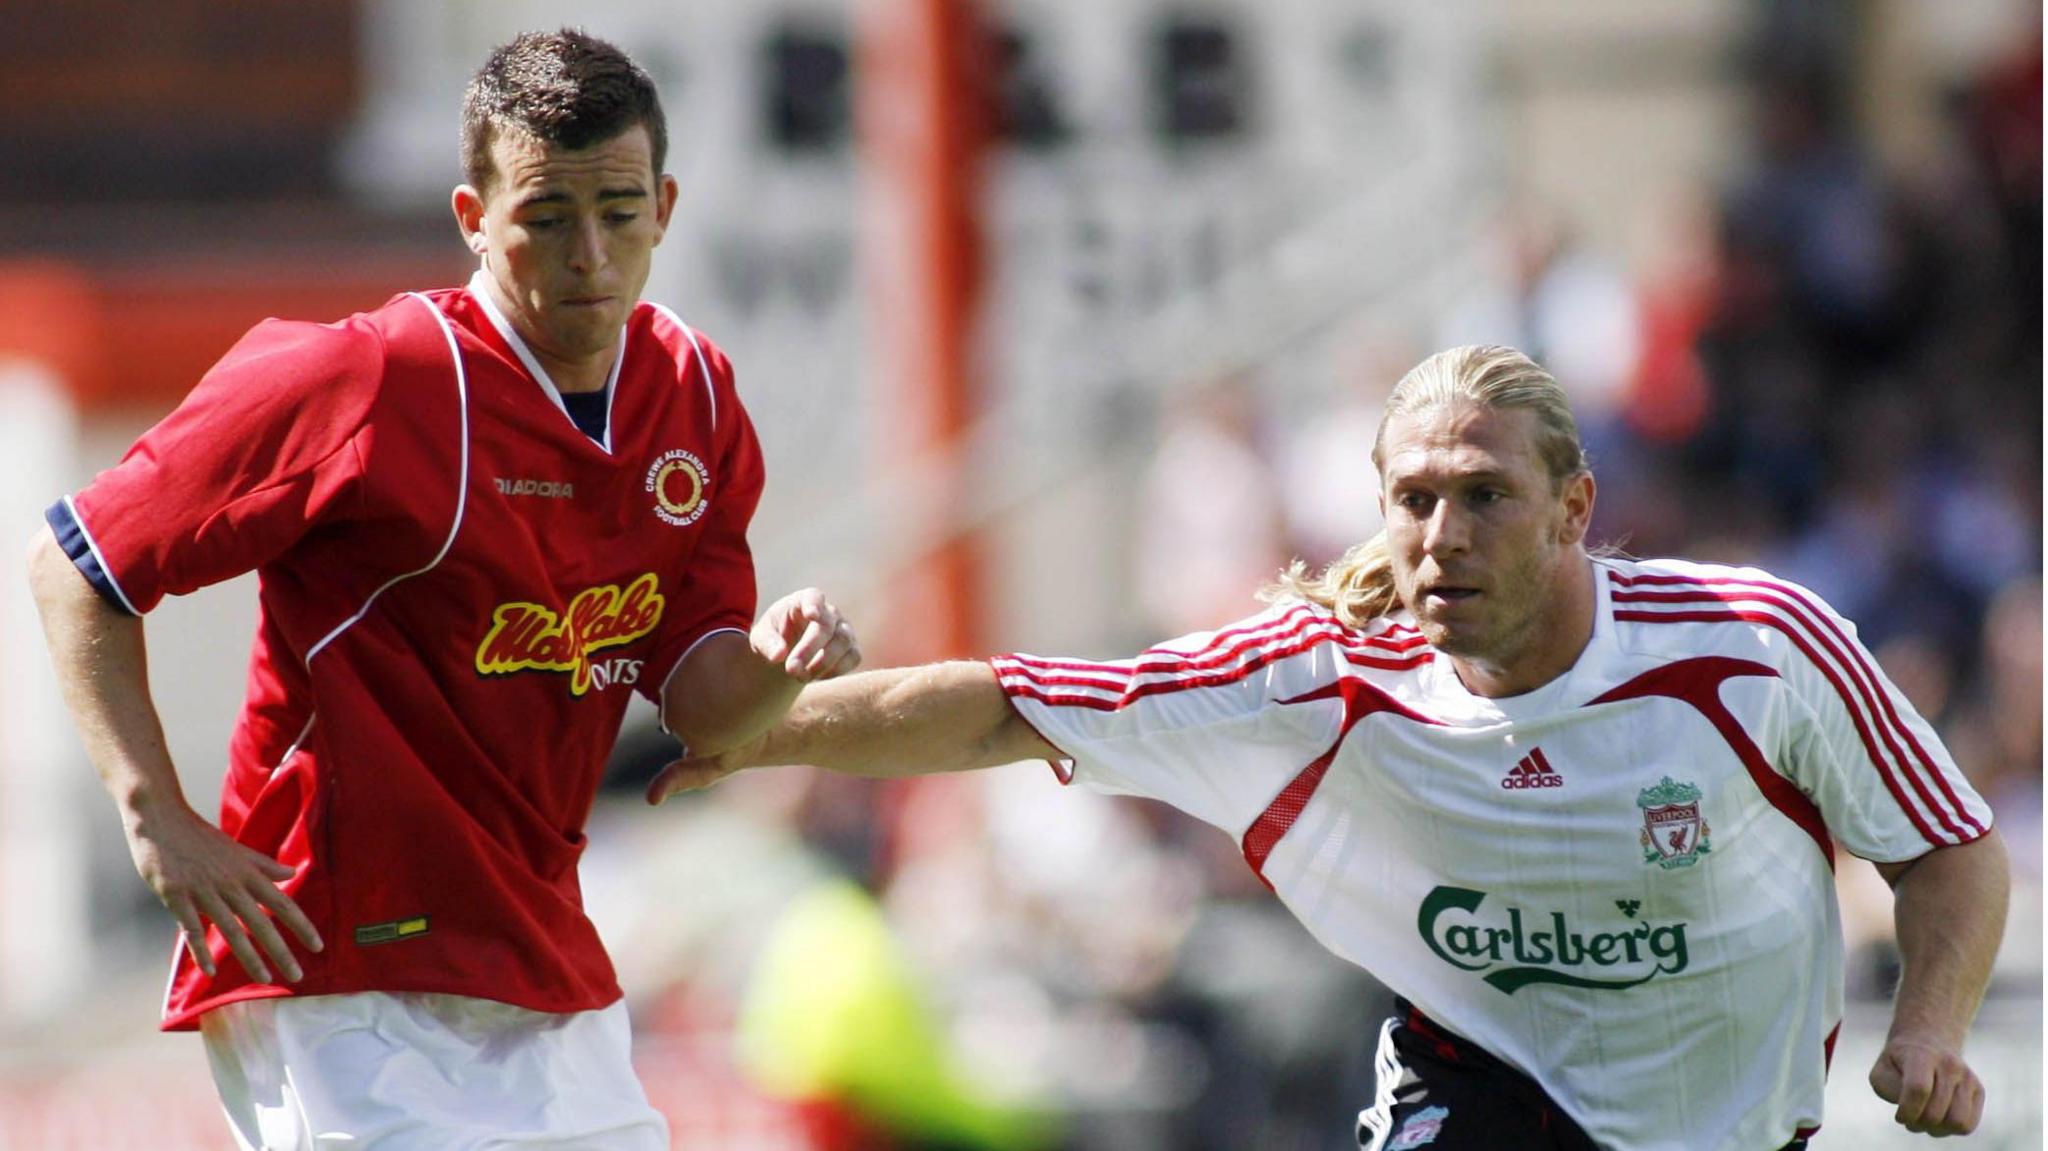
[{"x": 565, "y": 88}]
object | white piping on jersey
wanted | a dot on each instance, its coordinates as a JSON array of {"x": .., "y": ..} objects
[
  {"x": 297, "y": 743},
  {"x": 101, "y": 559},
  {"x": 461, "y": 487},
  {"x": 461, "y": 504},
  {"x": 171, "y": 980},
  {"x": 703, "y": 365},
  {"x": 1386, "y": 1071},
  {"x": 661, "y": 705},
  {"x": 479, "y": 289}
]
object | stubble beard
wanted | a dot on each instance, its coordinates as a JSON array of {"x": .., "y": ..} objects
[{"x": 1501, "y": 632}]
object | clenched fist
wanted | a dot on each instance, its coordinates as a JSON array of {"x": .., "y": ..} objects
[{"x": 806, "y": 635}]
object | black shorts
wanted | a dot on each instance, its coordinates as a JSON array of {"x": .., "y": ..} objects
[{"x": 1448, "y": 1095}]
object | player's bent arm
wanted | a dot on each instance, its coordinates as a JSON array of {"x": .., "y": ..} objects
[
  {"x": 725, "y": 694},
  {"x": 1949, "y": 908},
  {"x": 890, "y": 722},
  {"x": 98, "y": 654},
  {"x": 730, "y": 687},
  {"x": 197, "y": 870}
]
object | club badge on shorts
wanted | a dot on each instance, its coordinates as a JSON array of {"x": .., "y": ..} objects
[
  {"x": 1419, "y": 1129},
  {"x": 680, "y": 485},
  {"x": 1674, "y": 831}
]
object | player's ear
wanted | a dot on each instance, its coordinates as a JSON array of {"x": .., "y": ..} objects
[
  {"x": 664, "y": 201},
  {"x": 1578, "y": 496},
  {"x": 468, "y": 205}
]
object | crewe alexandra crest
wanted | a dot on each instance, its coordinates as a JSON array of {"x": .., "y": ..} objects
[
  {"x": 681, "y": 487},
  {"x": 1674, "y": 831}
]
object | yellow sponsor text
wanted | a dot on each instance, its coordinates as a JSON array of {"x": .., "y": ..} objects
[{"x": 532, "y": 637}]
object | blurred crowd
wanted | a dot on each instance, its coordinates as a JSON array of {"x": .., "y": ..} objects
[{"x": 1832, "y": 370}]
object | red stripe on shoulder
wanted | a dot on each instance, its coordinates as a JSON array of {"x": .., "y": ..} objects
[
  {"x": 1864, "y": 664},
  {"x": 1735, "y": 615},
  {"x": 1849, "y": 660},
  {"x": 1885, "y": 771},
  {"x": 1035, "y": 684},
  {"x": 1361, "y": 699},
  {"x": 1697, "y": 682},
  {"x": 1867, "y": 679},
  {"x": 1250, "y": 648},
  {"x": 1223, "y": 647}
]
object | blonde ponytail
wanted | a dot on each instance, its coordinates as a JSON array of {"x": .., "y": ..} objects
[{"x": 1358, "y": 587}]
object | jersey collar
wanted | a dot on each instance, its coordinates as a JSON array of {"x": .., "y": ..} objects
[{"x": 479, "y": 289}]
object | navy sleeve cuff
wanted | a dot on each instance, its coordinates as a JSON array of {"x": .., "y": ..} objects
[{"x": 73, "y": 538}]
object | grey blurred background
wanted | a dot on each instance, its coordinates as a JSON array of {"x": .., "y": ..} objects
[{"x": 1785, "y": 256}]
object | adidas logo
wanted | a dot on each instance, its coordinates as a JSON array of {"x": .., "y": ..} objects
[{"x": 1532, "y": 770}]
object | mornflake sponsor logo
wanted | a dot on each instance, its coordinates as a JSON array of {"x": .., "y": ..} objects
[
  {"x": 1516, "y": 948},
  {"x": 535, "y": 637}
]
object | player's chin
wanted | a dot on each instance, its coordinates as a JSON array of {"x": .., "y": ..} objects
[
  {"x": 587, "y": 329},
  {"x": 1460, "y": 637}
]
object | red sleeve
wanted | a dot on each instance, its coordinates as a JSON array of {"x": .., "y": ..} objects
[
  {"x": 718, "y": 589},
  {"x": 259, "y": 453}
]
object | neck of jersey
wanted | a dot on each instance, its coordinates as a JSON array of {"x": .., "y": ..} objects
[{"x": 589, "y": 411}]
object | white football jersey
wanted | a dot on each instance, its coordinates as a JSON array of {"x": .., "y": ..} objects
[{"x": 1620, "y": 883}]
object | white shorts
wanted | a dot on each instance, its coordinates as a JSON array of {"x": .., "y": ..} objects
[{"x": 398, "y": 1072}]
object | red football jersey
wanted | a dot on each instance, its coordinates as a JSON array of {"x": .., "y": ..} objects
[{"x": 458, "y": 589}]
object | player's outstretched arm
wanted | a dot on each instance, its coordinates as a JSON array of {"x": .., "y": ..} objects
[
  {"x": 196, "y": 869},
  {"x": 1950, "y": 912},
  {"x": 891, "y": 722},
  {"x": 732, "y": 687}
]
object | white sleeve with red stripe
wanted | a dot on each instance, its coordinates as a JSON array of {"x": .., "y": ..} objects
[
  {"x": 1191, "y": 721},
  {"x": 1885, "y": 784}
]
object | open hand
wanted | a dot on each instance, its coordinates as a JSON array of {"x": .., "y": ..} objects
[
  {"x": 694, "y": 773},
  {"x": 805, "y": 635},
  {"x": 202, "y": 875},
  {"x": 1936, "y": 1091}
]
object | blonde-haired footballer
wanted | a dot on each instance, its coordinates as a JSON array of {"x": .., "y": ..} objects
[{"x": 1581, "y": 813}]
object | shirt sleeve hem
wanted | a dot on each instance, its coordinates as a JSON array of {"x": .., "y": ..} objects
[
  {"x": 1063, "y": 766},
  {"x": 1921, "y": 849},
  {"x": 661, "y": 697},
  {"x": 77, "y": 542}
]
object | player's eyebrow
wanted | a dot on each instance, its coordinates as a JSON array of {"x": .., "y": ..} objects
[
  {"x": 1482, "y": 475},
  {"x": 604, "y": 195}
]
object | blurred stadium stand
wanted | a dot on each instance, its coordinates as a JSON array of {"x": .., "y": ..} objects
[{"x": 1789, "y": 251}]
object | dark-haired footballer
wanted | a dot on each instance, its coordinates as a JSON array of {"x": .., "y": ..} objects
[{"x": 480, "y": 517}]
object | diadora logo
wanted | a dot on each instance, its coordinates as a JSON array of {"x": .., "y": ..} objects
[
  {"x": 1532, "y": 770},
  {"x": 545, "y": 489},
  {"x": 680, "y": 485},
  {"x": 1545, "y": 947},
  {"x": 531, "y": 637}
]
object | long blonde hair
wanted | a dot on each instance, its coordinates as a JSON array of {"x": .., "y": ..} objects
[{"x": 1359, "y": 586}]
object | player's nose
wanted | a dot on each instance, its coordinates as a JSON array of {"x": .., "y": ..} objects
[
  {"x": 586, "y": 247},
  {"x": 1447, "y": 531}
]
